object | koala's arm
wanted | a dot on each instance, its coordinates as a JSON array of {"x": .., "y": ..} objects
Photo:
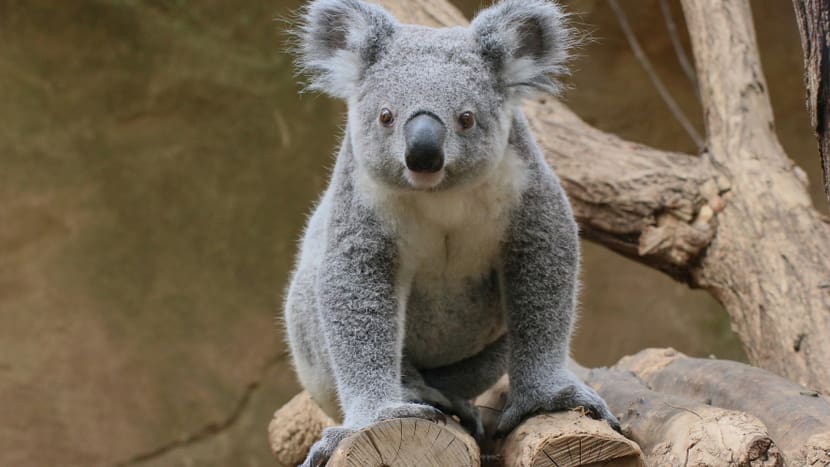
[
  {"x": 540, "y": 267},
  {"x": 360, "y": 314},
  {"x": 362, "y": 318},
  {"x": 540, "y": 272}
]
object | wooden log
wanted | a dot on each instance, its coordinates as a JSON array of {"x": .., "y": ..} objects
[
  {"x": 563, "y": 439},
  {"x": 674, "y": 430},
  {"x": 408, "y": 442},
  {"x": 404, "y": 442},
  {"x": 798, "y": 418},
  {"x": 555, "y": 440}
]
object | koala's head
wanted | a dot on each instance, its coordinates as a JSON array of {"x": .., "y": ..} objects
[{"x": 431, "y": 108}]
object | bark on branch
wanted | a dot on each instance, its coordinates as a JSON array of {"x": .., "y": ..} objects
[
  {"x": 653, "y": 206},
  {"x": 769, "y": 263},
  {"x": 814, "y": 24},
  {"x": 798, "y": 419},
  {"x": 674, "y": 430}
]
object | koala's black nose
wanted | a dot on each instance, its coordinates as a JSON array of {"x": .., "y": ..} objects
[{"x": 424, "y": 135}]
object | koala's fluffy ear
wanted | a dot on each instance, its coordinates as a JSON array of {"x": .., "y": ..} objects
[
  {"x": 338, "y": 40},
  {"x": 526, "y": 43}
]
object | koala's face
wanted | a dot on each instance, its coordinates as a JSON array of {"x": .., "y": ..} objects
[
  {"x": 431, "y": 109},
  {"x": 429, "y": 114}
]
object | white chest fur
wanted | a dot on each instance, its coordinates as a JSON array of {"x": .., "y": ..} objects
[
  {"x": 450, "y": 235},
  {"x": 449, "y": 244}
]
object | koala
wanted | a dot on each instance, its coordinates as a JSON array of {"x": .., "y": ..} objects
[{"x": 444, "y": 251}]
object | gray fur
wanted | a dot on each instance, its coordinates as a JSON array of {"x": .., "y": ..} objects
[{"x": 416, "y": 292}]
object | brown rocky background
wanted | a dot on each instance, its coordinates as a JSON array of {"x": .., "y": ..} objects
[{"x": 156, "y": 166}]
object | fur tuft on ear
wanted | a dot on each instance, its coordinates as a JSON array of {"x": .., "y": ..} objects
[
  {"x": 526, "y": 42},
  {"x": 337, "y": 40}
]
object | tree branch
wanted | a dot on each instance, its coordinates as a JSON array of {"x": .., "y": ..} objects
[
  {"x": 770, "y": 262},
  {"x": 814, "y": 24},
  {"x": 653, "y": 206},
  {"x": 688, "y": 70},
  {"x": 652, "y": 74}
]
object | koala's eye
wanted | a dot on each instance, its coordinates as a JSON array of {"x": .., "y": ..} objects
[
  {"x": 466, "y": 120},
  {"x": 387, "y": 118}
]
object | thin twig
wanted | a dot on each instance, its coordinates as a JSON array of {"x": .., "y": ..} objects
[
  {"x": 649, "y": 69},
  {"x": 678, "y": 46}
]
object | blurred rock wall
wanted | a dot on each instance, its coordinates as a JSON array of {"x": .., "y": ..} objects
[{"x": 156, "y": 166}]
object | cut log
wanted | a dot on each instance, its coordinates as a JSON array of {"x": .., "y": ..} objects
[
  {"x": 674, "y": 430},
  {"x": 408, "y": 442},
  {"x": 555, "y": 440},
  {"x": 405, "y": 442},
  {"x": 798, "y": 418}
]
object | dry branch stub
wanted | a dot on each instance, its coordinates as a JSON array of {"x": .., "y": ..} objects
[
  {"x": 674, "y": 430},
  {"x": 294, "y": 428},
  {"x": 556, "y": 440},
  {"x": 798, "y": 418}
]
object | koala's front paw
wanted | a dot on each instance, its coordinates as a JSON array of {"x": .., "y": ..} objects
[
  {"x": 322, "y": 450},
  {"x": 523, "y": 404}
]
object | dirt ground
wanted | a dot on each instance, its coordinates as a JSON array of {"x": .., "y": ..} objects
[{"x": 156, "y": 166}]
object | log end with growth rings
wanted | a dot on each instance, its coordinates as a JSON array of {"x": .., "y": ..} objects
[
  {"x": 572, "y": 439},
  {"x": 408, "y": 442}
]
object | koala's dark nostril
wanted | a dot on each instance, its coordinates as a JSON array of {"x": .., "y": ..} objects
[{"x": 424, "y": 135}]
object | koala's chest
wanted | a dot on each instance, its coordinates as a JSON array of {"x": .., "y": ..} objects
[
  {"x": 450, "y": 260},
  {"x": 450, "y": 249},
  {"x": 454, "y": 237}
]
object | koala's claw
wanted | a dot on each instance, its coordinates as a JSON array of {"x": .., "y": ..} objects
[
  {"x": 469, "y": 416},
  {"x": 519, "y": 407},
  {"x": 322, "y": 450}
]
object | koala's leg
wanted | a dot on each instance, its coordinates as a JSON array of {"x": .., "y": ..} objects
[
  {"x": 539, "y": 282},
  {"x": 471, "y": 376},
  {"x": 311, "y": 360},
  {"x": 415, "y": 389}
]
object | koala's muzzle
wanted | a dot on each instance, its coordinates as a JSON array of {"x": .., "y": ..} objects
[{"x": 424, "y": 135}]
